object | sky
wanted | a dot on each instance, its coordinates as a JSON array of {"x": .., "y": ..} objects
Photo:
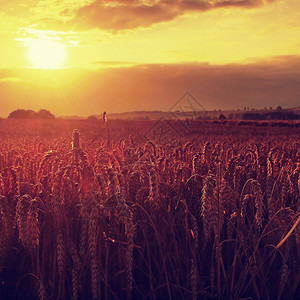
[{"x": 81, "y": 57}]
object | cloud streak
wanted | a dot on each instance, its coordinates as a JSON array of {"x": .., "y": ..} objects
[
  {"x": 157, "y": 87},
  {"x": 112, "y": 15},
  {"x": 128, "y": 14},
  {"x": 10, "y": 79}
]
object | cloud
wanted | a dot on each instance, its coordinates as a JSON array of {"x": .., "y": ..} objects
[
  {"x": 128, "y": 14},
  {"x": 123, "y": 16},
  {"x": 113, "y": 64},
  {"x": 10, "y": 79},
  {"x": 157, "y": 87},
  {"x": 112, "y": 15},
  {"x": 7, "y": 76}
]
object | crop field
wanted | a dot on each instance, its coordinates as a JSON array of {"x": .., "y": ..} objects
[{"x": 107, "y": 213}]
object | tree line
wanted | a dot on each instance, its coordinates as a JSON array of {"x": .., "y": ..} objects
[{"x": 31, "y": 114}]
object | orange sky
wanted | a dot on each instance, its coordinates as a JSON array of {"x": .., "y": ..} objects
[{"x": 83, "y": 56}]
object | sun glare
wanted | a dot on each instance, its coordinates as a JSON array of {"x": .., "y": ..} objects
[{"x": 46, "y": 54}]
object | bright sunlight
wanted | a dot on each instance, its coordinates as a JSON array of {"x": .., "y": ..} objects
[{"x": 46, "y": 54}]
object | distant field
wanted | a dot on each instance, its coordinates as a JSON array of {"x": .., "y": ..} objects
[
  {"x": 122, "y": 128},
  {"x": 149, "y": 210},
  {"x": 247, "y": 114}
]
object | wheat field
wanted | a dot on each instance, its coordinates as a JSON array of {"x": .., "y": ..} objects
[{"x": 211, "y": 215}]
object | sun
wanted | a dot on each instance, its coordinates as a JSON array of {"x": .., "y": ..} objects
[{"x": 46, "y": 54}]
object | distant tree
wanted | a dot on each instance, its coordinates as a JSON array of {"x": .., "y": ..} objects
[
  {"x": 279, "y": 107},
  {"x": 222, "y": 117},
  {"x": 21, "y": 114},
  {"x": 16, "y": 114},
  {"x": 30, "y": 114},
  {"x": 44, "y": 114}
]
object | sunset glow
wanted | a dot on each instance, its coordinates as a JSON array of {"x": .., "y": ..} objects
[
  {"x": 46, "y": 54},
  {"x": 200, "y": 46},
  {"x": 150, "y": 149}
]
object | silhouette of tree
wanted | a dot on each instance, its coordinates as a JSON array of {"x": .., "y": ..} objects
[
  {"x": 21, "y": 114},
  {"x": 30, "y": 114},
  {"x": 44, "y": 114}
]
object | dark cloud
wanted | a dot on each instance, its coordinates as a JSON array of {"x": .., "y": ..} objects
[
  {"x": 157, "y": 87},
  {"x": 127, "y": 14},
  {"x": 122, "y": 16}
]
